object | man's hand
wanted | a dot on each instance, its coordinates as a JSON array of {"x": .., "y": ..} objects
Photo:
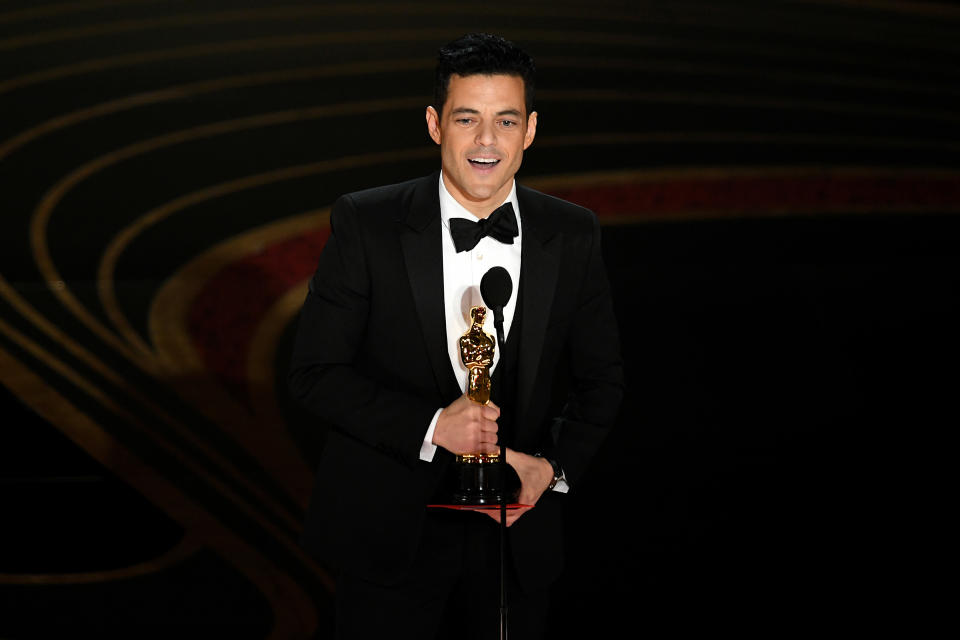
[
  {"x": 466, "y": 427},
  {"x": 535, "y": 476}
]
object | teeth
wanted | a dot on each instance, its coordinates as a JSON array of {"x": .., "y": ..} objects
[{"x": 484, "y": 160}]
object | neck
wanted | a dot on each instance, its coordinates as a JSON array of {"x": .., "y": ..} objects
[{"x": 479, "y": 209}]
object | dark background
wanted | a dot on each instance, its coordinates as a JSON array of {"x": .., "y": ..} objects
[{"x": 790, "y": 344}]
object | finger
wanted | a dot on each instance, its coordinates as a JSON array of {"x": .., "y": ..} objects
[
  {"x": 485, "y": 433},
  {"x": 489, "y": 427},
  {"x": 489, "y": 413}
]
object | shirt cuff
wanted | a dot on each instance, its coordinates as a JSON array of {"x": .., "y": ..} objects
[{"x": 428, "y": 449}]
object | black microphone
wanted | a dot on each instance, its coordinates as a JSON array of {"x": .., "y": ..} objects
[{"x": 496, "y": 287}]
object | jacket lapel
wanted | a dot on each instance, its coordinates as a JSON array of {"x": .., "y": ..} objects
[
  {"x": 423, "y": 255},
  {"x": 539, "y": 268}
]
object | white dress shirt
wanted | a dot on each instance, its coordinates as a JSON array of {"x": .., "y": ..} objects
[{"x": 462, "y": 273}]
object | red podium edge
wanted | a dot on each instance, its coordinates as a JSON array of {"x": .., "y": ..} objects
[{"x": 480, "y": 507}]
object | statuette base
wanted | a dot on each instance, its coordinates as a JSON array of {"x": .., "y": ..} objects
[{"x": 478, "y": 481}]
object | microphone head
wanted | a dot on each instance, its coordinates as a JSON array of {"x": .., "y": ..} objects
[{"x": 496, "y": 288}]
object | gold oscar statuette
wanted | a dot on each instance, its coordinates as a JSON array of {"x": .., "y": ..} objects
[
  {"x": 476, "y": 479},
  {"x": 476, "y": 353}
]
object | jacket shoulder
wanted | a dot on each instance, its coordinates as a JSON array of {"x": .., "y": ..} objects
[
  {"x": 388, "y": 200},
  {"x": 560, "y": 214}
]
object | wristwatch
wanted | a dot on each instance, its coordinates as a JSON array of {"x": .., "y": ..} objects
[{"x": 557, "y": 471}]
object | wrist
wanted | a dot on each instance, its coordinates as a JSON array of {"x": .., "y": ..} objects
[{"x": 554, "y": 471}]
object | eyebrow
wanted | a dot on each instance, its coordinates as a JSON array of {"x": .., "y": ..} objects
[{"x": 505, "y": 112}]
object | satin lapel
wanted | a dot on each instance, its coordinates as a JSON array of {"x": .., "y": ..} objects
[
  {"x": 540, "y": 265},
  {"x": 423, "y": 255}
]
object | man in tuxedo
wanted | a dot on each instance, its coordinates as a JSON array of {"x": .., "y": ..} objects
[{"x": 377, "y": 357}]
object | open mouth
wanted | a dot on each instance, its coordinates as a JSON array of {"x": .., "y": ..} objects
[{"x": 484, "y": 163}]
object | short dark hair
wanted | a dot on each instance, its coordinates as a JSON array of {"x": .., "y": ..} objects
[{"x": 482, "y": 54}]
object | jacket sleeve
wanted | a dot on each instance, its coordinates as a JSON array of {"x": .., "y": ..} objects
[
  {"x": 325, "y": 376},
  {"x": 596, "y": 371}
]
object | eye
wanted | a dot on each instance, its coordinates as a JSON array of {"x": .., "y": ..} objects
[
  {"x": 464, "y": 121},
  {"x": 507, "y": 124}
]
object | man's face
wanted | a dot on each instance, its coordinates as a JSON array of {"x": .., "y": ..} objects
[{"x": 482, "y": 132}]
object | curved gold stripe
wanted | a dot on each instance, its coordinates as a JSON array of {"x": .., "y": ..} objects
[
  {"x": 709, "y": 172},
  {"x": 912, "y": 7},
  {"x": 553, "y": 141},
  {"x": 545, "y": 139},
  {"x": 292, "y": 41},
  {"x": 119, "y": 243},
  {"x": 85, "y": 356},
  {"x": 259, "y": 15},
  {"x": 190, "y": 377},
  {"x": 710, "y": 68},
  {"x": 294, "y": 612},
  {"x": 103, "y": 398},
  {"x": 737, "y": 213},
  {"x": 734, "y": 23},
  {"x": 171, "y": 303},
  {"x": 147, "y": 364},
  {"x": 263, "y": 350},
  {"x": 634, "y": 176},
  {"x": 730, "y": 100},
  {"x": 185, "y": 548},
  {"x": 182, "y": 91},
  {"x": 405, "y": 9},
  {"x": 206, "y": 49},
  {"x": 257, "y": 44},
  {"x": 142, "y": 351},
  {"x": 136, "y": 351},
  {"x": 179, "y": 92},
  {"x": 66, "y": 8},
  {"x": 97, "y": 394},
  {"x": 78, "y": 351}
]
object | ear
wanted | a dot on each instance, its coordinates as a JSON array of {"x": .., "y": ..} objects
[
  {"x": 433, "y": 124},
  {"x": 531, "y": 130}
]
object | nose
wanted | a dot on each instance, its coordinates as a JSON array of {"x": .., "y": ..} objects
[{"x": 486, "y": 134}]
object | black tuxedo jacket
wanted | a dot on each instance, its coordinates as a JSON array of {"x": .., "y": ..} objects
[{"x": 370, "y": 358}]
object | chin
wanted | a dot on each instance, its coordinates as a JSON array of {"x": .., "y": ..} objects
[{"x": 482, "y": 194}]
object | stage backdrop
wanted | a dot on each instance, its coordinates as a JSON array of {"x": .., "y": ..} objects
[{"x": 778, "y": 185}]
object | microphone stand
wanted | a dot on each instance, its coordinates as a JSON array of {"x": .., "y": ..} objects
[
  {"x": 498, "y": 324},
  {"x": 496, "y": 287}
]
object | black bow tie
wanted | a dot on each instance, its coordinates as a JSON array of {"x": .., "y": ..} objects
[{"x": 500, "y": 225}]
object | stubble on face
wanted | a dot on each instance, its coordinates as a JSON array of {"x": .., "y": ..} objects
[{"x": 482, "y": 132}]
